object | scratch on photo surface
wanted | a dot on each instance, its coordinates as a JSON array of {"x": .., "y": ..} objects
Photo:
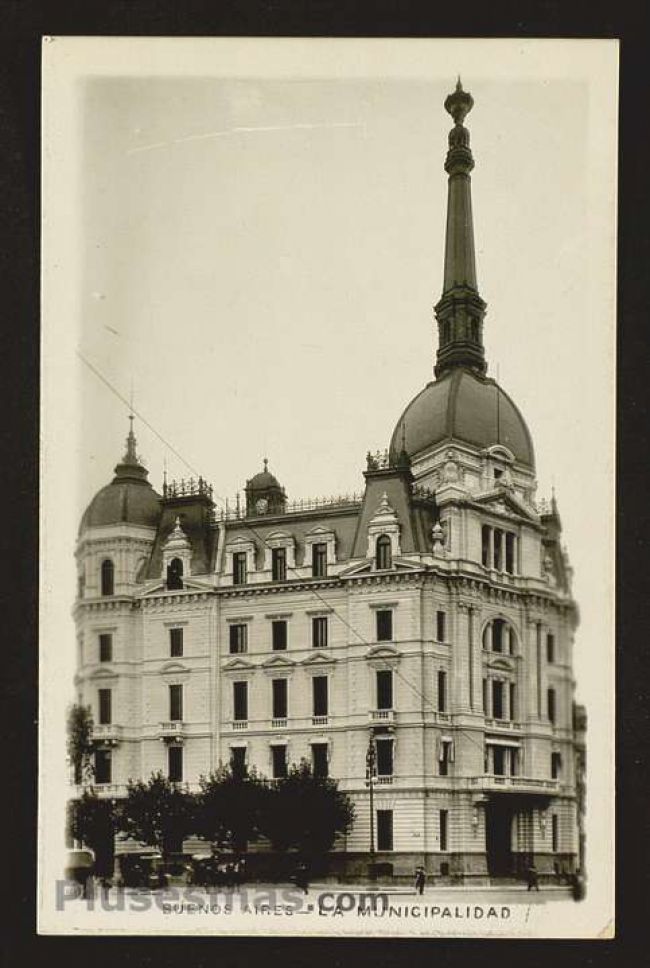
[{"x": 247, "y": 130}]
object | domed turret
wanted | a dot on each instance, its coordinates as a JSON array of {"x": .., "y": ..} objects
[
  {"x": 264, "y": 493},
  {"x": 128, "y": 499}
]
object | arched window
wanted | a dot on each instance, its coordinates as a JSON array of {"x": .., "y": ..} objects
[
  {"x": 108, "y": 577},
  {"x": 384, "y": 558},
  {"x": 175, "y": 574},
  {"x": 499, "y": 636}
]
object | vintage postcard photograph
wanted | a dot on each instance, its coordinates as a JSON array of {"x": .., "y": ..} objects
[{"x": 327, "y": 478}]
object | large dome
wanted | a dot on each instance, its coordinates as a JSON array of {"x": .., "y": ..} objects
[
  {"x": 466, "y": 407},
  {"x": 123, "y": 502},
  {"x": 128, "y": 499}
]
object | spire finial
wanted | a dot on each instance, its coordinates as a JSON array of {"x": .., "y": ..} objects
[
  {"x": 266, "y": 463},
  {"x": 459, "y": 86},
  {"x": 131, "y": 456}
]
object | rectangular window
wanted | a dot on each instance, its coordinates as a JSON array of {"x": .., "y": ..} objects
[
  {"x": 319, "y": 632},
  {"x": 499, "y": 758},
  {"x": 384, "y": 830},
  {"x": 239, "y": 570},
  {"x": 444, "y": 829},
  {"x": 554, "y": 833},
  {"x": 319, "y": 560},
  {"x": 176, "y": 704},
  {"x": 106, "y": 647},
  {"x": 176, "y": 643},
  {"x": 240, "y": 701},
  {"x": 442, "y": 691},
  {"x": 279, "y": 687},
  {"x": 498, "y": 534},
  {"x": 510, "y": 553},
  {"x": 175, "y": 763},
  {"x": 279, "y": 564},
  {"x": 320, "y": 696},
  {"x": 384, "y": 679},
  {"x": 444, "y": 757},
  {"x": 105, "y": 704},
  {"x": 514, "y": 762},
  {"x": 513, "y": 700},
  {"x": 103, "y": 766},
  {"x": 238, "y": 759},
  {"x": 279, "y": 754},
  {"x": 485, "y": 697},
  {"x": 384, "y": 625},
  {"x": 279, "y": 635},
  {"x": 497, "y": 635},
  {"x": 556, "y": 765},
  {"x": 550, "y": 705},
  {"x": 320, "y": 765},
  {"x": 550, "y": 648},
  {"x": 440, "y": 626},
  {"x": 497, "y": 699},
  {"x": 485, "y": 545},
  {"x": 384, "y": 757},
  {"x": 238, "y": 639}
]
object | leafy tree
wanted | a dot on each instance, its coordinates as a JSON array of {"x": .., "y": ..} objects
[
  {"x": 79, "y": 742},
  {"x": 92, "y": 821},
  {"x": 158, "y": 813},
  {"x": 230, "y": 806},
  {"x": 306, "y": 812}
]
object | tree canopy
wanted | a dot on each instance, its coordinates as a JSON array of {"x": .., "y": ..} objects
[
  {"x": 230, "y": 806},
  {"x": 80, "y": 742},
  {"x": 157, "y": 812}
]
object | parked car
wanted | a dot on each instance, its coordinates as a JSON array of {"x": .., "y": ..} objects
[{"x": 80, "y": 867}]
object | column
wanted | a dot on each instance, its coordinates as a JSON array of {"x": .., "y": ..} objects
[
  {"x": 502, "y": 555},
  {"x": 491, "y": 548}
]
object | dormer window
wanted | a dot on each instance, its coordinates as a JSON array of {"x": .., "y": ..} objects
[
  {"x": 279, "y": 564},
  {"x": 239, "y": 570},
  {"x": 498, "y": 473},
  {"x": 175, "y": 574},
  {"x": 384, "y": 554},
  {"x": 108, "y": 577},
  {"x": 319, "y": 560}
]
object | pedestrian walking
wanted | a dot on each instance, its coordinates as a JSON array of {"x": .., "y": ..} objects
[
  {"x": 532, "y": 879},
  {"x": 420, "y": 877}
]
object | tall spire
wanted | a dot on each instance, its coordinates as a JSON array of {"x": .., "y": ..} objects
[{"x": 460, "y": 311}]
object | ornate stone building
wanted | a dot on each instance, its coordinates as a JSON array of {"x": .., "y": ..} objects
[{"x": 429, "y": 621}]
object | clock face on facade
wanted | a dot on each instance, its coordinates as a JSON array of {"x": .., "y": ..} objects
[{"x": 261, "y": 506}]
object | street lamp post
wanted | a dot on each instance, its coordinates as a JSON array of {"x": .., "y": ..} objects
[{"x": 371, "y": 776}]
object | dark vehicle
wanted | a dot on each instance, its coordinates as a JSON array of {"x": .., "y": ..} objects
[
  {"x": 143, "y": 870},
  {"x": 80, "y": 867},
  {"x": 207, "y": 870}
]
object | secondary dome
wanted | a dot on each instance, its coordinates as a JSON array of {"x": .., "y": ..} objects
[
  {"x": 468, "y": 408},
  {"x": 128, "y": 499}
]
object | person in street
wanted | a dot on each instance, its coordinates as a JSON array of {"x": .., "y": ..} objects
[
  {"x": 420, "y": 877},
  {"x": 302, "y": 877},
  {"x": 532, "y": 879}
]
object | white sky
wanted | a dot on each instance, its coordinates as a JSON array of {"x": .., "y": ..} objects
[{"x": 252, "y": 234}]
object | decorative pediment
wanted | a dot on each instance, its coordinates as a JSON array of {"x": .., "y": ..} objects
[
  {"x": 382, "y": 652},
  {"x": 153, "y": 590},
  {"x": 358, "y": 568},
  {"x": 501, "y": 663},
  {"x": 174, "y": 669},
  {"x": 318, "y": 659},
  {"x": 278, "y": 662},
  {"x": 384, "y": 522},
  {"x": 238, "y": 665},
  {"x": 504, "y": 502},
  {"x": 103, "y": 673}
]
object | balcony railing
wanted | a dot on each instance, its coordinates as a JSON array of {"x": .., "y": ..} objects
[
  {"x": 319, "y": 720},
  {"x": 171, "y": 730},
  {"x": 509, "y": 724},
  {"x": 279, "y": 722},
  {"x": 384, "y": 780},
  {"x": 382, "y": 716},
  {"x": 240, "y": 724},
  {"x": 492, "y": 781},
  {"x": 107, "y": 733}
]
